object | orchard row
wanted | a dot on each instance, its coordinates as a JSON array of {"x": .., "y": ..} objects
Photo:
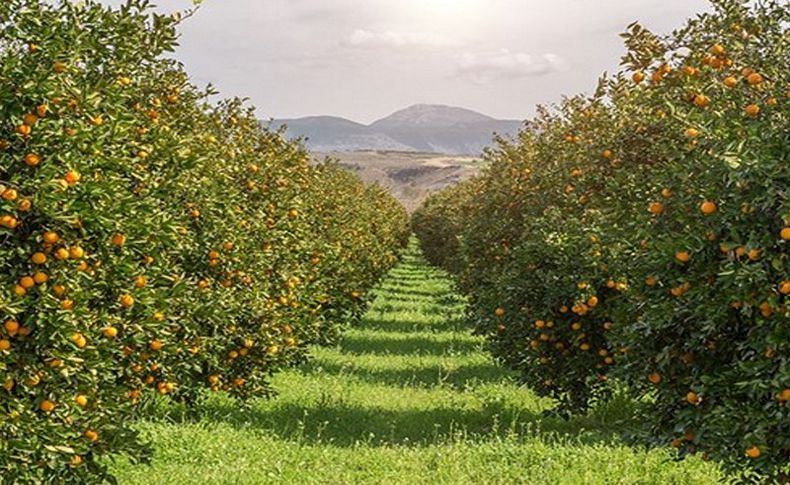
[
  {"x": 152, "y": 242},
  {"x": 642, "y": 235}
]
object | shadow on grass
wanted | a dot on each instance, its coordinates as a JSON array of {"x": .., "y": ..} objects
[
  {"x": 407, "y": 345},
  {"x": 410, "y": 326},
  {"x": 333, "y": 421},
  {"x": 456, "y": 377}
]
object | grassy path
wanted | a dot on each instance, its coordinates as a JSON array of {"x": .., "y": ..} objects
[{"x": 409, "y": 396}]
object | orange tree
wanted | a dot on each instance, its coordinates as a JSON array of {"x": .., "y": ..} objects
[
  {"x": 664, "y": 198},
  {"x": 709, "y": 264},
  {"x": 151, "y": 242},
  {"x": 438, "y": 223}
]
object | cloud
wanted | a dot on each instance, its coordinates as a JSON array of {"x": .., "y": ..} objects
[
  {"x": 389, "y": 39},
  {"x": 483, "y": 68}
]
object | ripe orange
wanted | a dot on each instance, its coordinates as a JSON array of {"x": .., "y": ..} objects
[
  {"x": 702, "y": 101},
  {"x": 27, "y": 282},
  {"x": 692, "y": 132},
  {"x": 76, "y": 252},
  {"x": 91, "y": 435},
  {"x": 500, "y": 312},
  {"x": 752, "y": 110},
  {"x": 24, "y": 130},
  {"x": 683, "y": 256},
  {"x": 708, "y": 208},
  {"x": 155, "y": 345},
  {"x": 656, "y": 208},
  {"x": 753, "y": 452},
  {"x": 638, "y": 77},
  {"x": 693, "y": 398},
  {"x": 62, "y": 253},
  {"x": 754, "y": 79},
  {"x": 651, "y": 281},
  {"x": 730, "y": 82},
  {"x": 79, "y": 340},
  {"x": 784, "y": 395},
  {"x": 785, "y": 233},
  {"x": 118, "y": 239},
  {"x": 40, "y": 277},
  {"x": 5, "y": 344},
  {"x": 655, "y": 378},
  {"x": 718, "y": 50},
  {"x": 110, "y": 332},
  {"x": 11, "y": 326},
  {"x": 10, "y": 195},
  {"x": 47, "y": 406},
  {"x": 81, "y": 400},
  {"x": 39, "y": 258},
  {"x": 127, "y": 301},
  {"x": 784, "y": 287},
  {"x": 72, "y": 177},
  {"x": 140, "y": 281}
]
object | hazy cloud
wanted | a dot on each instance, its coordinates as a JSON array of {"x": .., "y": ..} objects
[
  {"x": 390, "y": 39},
  {"x": 503, "y": 64}
]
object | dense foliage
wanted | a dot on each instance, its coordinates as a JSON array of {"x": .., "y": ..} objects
[
  {"x": 151, "y": 242},
  {"x": 642, "y": 233}
]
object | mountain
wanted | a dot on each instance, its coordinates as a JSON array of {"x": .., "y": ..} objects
[{"x": 419, "y": 128}]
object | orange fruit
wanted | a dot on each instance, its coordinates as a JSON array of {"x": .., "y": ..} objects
[
  {"x": 79, "y": 340},
  {"x": 10, "y": 195},
  {"x": 27, "y": 282},
  {"x": 693, "y": 398},
  {"x": 62, "y": 253},
  {"x": 11, "y": 326},
  {"x": 702, "y": 101},
  {"x": 730, "y": 82},
  {"x": 127, "y": 301},
  {"x": 81, "y": 400},
  {"x": 754, "y": 452},
  {"x": 708, "y": 208},
  {"x": 51, "y": 237},
  {"x": 692, "y": 132},
  {"x": 110, "y": 332},
  {"x": 72, "y": 177},
  {"x": 651, "y": 281},
  {"x": 784, "y": 395},
  {"x": 39, "y": 258},
  {"x": 785, "y": 233},
  {"x": 155, "y": 345},
  {"x": 118, "y": 239},
  {"x": 500, "y": 312},
  {"x": 718, "y": 50},
  {"x": 656, "y": 208},
  {"x": 655, "y": 378},
  {"x": 638, "y": 77},
  {"x": 666, "y": 193},
  {"x": 140, "y": 281},
  {"x": 47, "y": 406},
  {"x": 76, "y": 252},
  {"x": 5, "y": 344},
  {"x": 754, "y": 79},
  {"x": 91, "y": 435},
  {"x": 40, "y": 277},
  {"x": 24, "y": 130},
  {"x": 752, "y": 110},
  {"x": 683, "y": 256},
  {"x": 784, "y": 287}
]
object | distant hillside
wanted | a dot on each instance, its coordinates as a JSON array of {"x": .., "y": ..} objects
[{"x": 420, "y": 128}]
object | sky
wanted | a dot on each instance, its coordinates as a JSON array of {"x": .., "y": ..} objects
[{"x": 364, "y": 59}]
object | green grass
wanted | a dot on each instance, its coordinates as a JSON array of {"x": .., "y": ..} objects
[{"x": 408, "y": 396}]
